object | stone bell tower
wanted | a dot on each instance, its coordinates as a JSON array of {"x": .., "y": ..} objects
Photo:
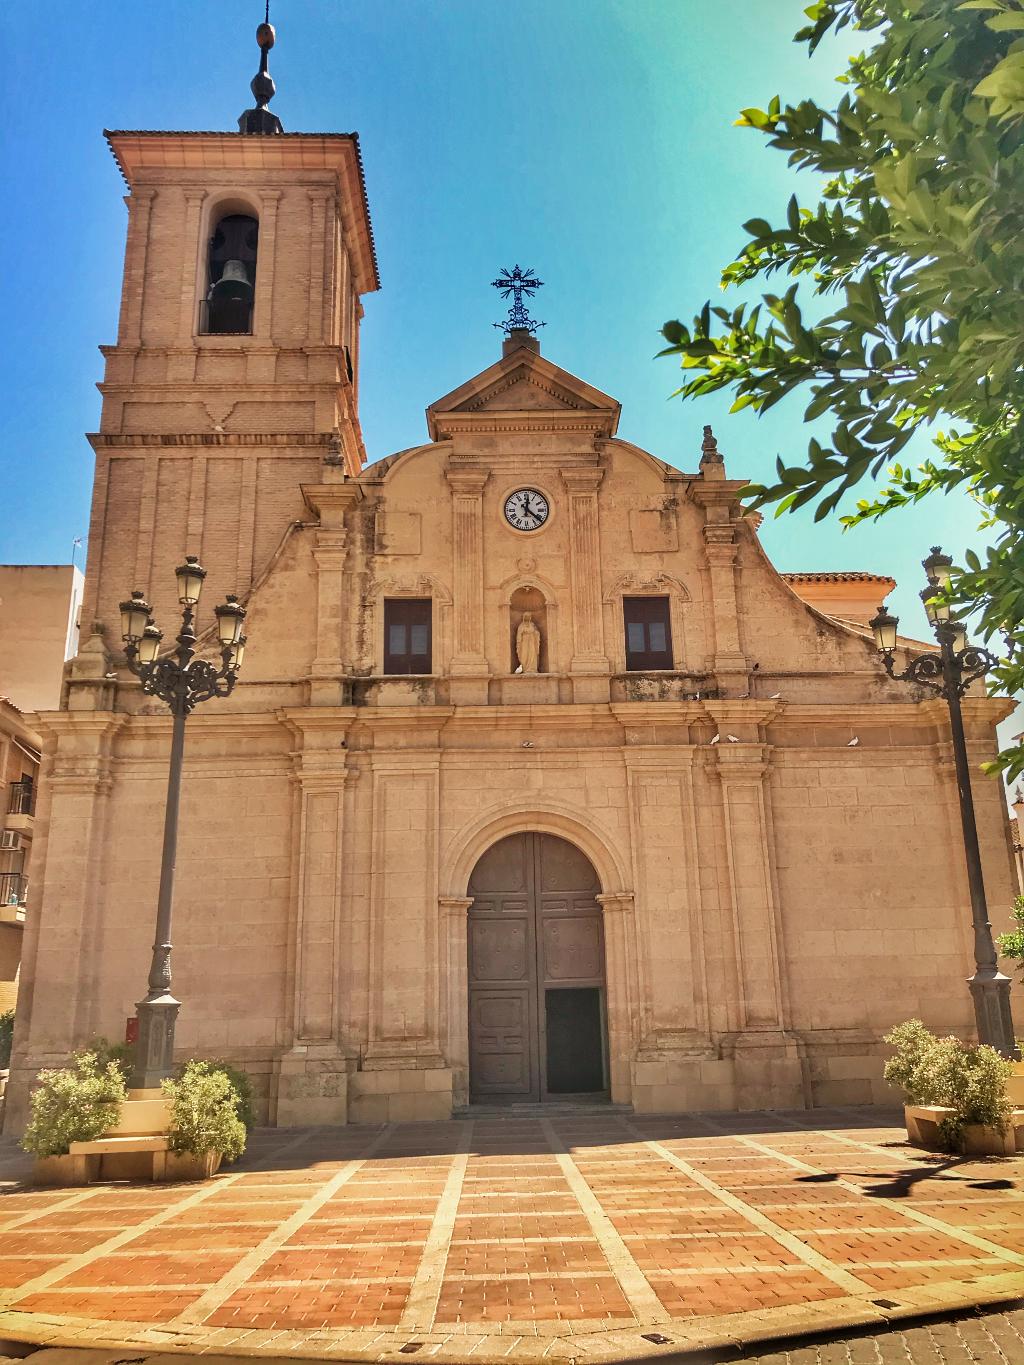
[{"x": 235, "y": 373}]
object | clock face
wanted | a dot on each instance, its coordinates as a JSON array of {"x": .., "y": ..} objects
[{"x": 526, "y": 509}]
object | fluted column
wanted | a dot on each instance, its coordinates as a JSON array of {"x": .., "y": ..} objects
[
  {"x": 585, "y": 570},
  {"x": 468, "y": 660},
  {"x": 332, "y": 502}
]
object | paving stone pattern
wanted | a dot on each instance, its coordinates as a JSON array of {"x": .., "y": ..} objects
[
  {"x": 595, "y": 1235},
  {"x": 989, "y": 1339}
]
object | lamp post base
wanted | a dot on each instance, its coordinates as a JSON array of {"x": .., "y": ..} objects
[
  {"x": 154, "y": 1050},
  {"x": 990, "y": 989}
]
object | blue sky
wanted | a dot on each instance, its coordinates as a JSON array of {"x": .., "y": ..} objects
[{"x": 589, "y": 139}]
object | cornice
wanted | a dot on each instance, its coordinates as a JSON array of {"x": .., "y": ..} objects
[
  {"x": 543, "y": 419},
  {"x": 141, "y": 151},
  {"x": 102, "y": 440}
]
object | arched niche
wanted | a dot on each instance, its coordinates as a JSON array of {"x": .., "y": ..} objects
[{"x": 530, "y": 593}]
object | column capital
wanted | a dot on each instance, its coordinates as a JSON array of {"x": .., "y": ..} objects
[
  {"x": 142, "y": 197},
  {"x": 582, "y": 480},
  {"x": 742, "y": 762},
  {"x": 455, "y": 906},
  {"x": 331, "y": 501},
  {"x": 193, "y": 197},
  {"x": 616, "y": 901},
  {"x": 270, "y": 197},
  {"x": 467, "y": 483}
]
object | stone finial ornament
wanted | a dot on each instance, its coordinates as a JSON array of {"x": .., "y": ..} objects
[
  {"x": 712, "y": 461},
  {"x": 260, "y": 119}
]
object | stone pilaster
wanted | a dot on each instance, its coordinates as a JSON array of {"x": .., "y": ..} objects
[
  {"x": 588, "y": 656},
  {"x": 319, "y": 201},
  {"x": 311, "y": 1078},
  {"x": 140, "y": 207},
  {"x": 59, "y": 1007},
  {"x": 263, "y": 322},
  {"x": 742, "y": 769},
  {"x": 404, "y": 967},
  {"x": 454, "y": 916},
  {"x": 469, "y": 668},
  {"x": 187, "y": 320},
  {"x": 730, "y": 664},
  {"x": 623, "y": 991},
  {"x": 332, "y": 502},
  {"x": 663, "y": 834}
]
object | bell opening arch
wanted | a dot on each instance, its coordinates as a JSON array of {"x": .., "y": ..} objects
[{"x": 539, "y": 899}]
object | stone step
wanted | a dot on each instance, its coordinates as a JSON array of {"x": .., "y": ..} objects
[{"x": 549, "y": 1109}]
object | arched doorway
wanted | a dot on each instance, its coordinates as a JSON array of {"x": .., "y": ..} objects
[{"x": 537, "y": 1026}]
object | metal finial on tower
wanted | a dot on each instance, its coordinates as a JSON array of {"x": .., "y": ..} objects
[
  {"x": 260, "y": 119},
  {"x": 517, "y": 283}
]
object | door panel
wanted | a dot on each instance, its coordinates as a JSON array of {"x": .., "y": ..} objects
[
  {"x": 499, "y": 1030},
  {"x": 535, "y": 928},
  {"x": 573, "y": 949}
]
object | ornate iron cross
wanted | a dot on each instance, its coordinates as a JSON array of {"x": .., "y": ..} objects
[{"x": 518, "y": 282}]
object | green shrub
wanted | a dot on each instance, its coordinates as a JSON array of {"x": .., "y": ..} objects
[
  {"x": 77, "y": 1103},
  {"x": 1011, "y": 945},
  {"x": 909, "y": 1068},
  {"x": 243, "y": 1087},
  {"x": 121, "y": 1054},
  {"x": 6, "y": 1037},
  {"x": 204, "y": 1112},
  {"x": 970, "y": 1080}
]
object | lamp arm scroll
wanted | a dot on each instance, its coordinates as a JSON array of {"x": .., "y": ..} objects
[{"x": 924, "y": 669}]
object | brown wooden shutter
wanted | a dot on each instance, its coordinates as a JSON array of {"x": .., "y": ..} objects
[
  {"x": 648, "y": 632},
  {"x": 407, "y": 635}
]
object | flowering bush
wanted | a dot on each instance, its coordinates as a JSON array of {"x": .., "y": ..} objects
[
  {"x": 6, "y": 1037},
  {"x": 970, "y": 1080},
  {"x": 77, "y": 1103},
  {"x": 204, "y": 1112},
  {"x": 1012, "y": 944}
]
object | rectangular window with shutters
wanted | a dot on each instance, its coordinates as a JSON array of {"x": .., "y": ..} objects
[
  {"x": 407, "y": 635},
  {"x": 648, "y": 632}
]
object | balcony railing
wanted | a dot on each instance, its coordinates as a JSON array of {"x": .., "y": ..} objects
[
  {"x": 13, "y": 888},
  {"x": 22, "y": 799}
]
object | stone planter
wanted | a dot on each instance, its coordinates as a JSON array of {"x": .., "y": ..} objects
[
  {"x": 922, "y": 1122},
  {"x": 979, "y": 1139},
  {"x": 65, "y": 1170},
  {"x": 186, "y": 1166}
]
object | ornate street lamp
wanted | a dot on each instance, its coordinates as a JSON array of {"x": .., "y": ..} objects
[
  {"x": 182, "y": 681},
  {"x": 950, "y": 673}
]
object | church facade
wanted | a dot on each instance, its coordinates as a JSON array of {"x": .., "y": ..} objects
[{"x": 540, "y": 781}]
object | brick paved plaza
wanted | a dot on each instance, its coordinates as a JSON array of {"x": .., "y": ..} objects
[{"x": 596, "y": 1235}]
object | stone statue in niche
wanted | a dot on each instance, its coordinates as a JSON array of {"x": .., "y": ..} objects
[{"x": 528, "y": 645}]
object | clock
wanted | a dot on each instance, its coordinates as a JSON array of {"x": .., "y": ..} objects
[{"x": 526, "y": 509}]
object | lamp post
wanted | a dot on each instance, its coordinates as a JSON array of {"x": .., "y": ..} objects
[
  {"x": 950, "y": 673},
  {"x": 182, "y": 681}
]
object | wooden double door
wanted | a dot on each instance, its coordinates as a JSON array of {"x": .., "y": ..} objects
[{"x": 537, "y": 1025}]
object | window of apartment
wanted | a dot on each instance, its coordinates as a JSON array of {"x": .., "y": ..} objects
[
  {"x": 407, "y": 635},
  {"x": 648, "y": 632}
]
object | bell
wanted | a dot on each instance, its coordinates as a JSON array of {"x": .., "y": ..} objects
[{"x": 233, "y": 283}]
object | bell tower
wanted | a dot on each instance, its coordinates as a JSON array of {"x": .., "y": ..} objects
[{"x": 236, "y": 369}]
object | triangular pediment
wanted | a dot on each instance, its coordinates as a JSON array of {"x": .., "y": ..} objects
[{"x": 525, "y": 385}]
